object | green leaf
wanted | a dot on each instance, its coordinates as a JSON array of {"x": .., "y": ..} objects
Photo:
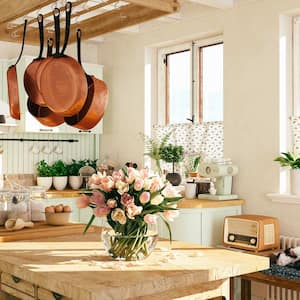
[{"x": 89, "y": 224}]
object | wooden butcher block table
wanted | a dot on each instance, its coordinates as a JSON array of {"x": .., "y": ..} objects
[{"x": 76, "y": 267}]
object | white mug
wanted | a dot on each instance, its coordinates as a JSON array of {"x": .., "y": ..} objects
[{"x": 190, "y": 190}]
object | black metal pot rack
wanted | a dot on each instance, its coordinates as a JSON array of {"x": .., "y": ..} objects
[{"x": 39, "y": 140}]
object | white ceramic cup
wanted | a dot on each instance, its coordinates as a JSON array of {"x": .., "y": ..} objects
[{"x": 190, "y": 190}]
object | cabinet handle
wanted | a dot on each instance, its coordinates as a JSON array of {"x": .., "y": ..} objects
[
  {"x": 46, "y": 130},
  {"x": 84, "y": 131},
  {"x": 15, "y": 279},
  {"x": 57, "y": 296}
]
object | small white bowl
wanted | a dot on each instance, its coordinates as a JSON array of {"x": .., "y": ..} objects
[{"x": 57, "y": 219}]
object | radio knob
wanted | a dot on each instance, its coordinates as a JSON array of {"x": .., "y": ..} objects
[
  {"x": 231, "y": 237},
  {"x": 252, "y": 241}
]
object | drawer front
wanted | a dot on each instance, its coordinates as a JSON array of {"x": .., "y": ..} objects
[
  {"x": 13, "y": 292},
  {"x": 44, "y": 294},
  {"x": 18, "y": 284}
]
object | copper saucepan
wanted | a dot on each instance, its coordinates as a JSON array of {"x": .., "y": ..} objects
[
  {"x": 61, "y": 79},
  {"x": 12, "y": 84},
  {"x": 96, "y": 101}
]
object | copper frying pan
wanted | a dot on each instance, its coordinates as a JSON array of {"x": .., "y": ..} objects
[
  {"x": 96, "y": 101},
  {"x": 12, "y": 84},
  {"x": 42, "y": 113},
  {"x": 62, "y": 81},
  {"x": 30, "y": 72}
]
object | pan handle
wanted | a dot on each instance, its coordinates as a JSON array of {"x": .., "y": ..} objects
[
  {"x": 78, "y": 36},
  {"x": 40, "y": 20},
  {"x": 23, "y": 42},
  {"x": 56, "y": 14},
  {"x": 68, "y": 9},
  {"x": 49, "y": 47}
]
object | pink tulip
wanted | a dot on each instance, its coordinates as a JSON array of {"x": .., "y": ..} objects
[
  {"x": 122, "y": 187},
  {"x": 138, "y": 184},
  {"x": 156, "y": 184},
  {"x": 133, "y": 210},
  {"x": 101, "y": 211},
  {"x": 170, "y": 215},
  {"x": 145, "y": 197},
  {"x": 97, "y": 198},
  {"x": 144, "y": 173},
  {"x": 150, "y": 219},
  {"x": 83, "y": 201},
  {"x": 111, "y": 203},
  {"x": 118, "y": 215},
  {"x": 127, "y": 199},
  {"x": 132, "y": 175},
  {"x": 96, "y": 178},
  {"x": 118, "y": 175},
  {"x": 170, "y": 192},
  {"x": 107, "y": 184}
]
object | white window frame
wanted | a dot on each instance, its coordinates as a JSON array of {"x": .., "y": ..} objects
[{"x": 193, "y": 46}]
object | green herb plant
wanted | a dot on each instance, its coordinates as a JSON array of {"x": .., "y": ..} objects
[
  {"x": 43, "y": 169},
  {"x": 172, "y": 154},
  {"x": 59, "y": 168},
  {"x": 289, "y": 159},
  {"x": 74, "y": 167}
]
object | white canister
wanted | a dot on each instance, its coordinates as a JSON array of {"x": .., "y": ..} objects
[
  {"x": 295, "y": 181},
  {"x": 190, "y": 190}
]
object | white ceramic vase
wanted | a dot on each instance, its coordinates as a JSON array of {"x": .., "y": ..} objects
[
  {"x": 60, "y": 182},
  {"x": 45, "y": 182},
  {"x": 295, "y": 181},
  {"x": 75, "y": 182}
]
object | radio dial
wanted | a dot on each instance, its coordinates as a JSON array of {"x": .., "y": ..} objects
[
  {"x": 231, "y": 237},
  {"x": 252, "y": 241}
]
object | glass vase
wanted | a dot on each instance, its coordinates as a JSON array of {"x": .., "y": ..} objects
[{"x": 129, "y": 247}]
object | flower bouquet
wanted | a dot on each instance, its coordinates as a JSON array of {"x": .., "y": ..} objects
[{"x": 131, "y": 201}]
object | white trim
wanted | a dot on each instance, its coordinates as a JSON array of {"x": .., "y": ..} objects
[
  {"x": 161, "y": 79},
  {"x": 284, "y": 198}
]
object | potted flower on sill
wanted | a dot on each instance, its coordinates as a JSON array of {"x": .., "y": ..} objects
[
  {"x": 292, "y": 160},
  {"x": 44, "y": 174},
  {"x": 193, "y": 165},
  {"x": 75, "y": 180},
  {"x": 60, "y": 175},
  {"x": 172, "y": 154}
]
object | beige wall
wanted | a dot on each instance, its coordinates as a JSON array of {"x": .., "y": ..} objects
[{"x": 251, "y": 58}]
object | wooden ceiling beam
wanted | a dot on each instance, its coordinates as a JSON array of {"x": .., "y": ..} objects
[
  {"x": 14, "y": 9},
  {"x": 169, "y": 6}
]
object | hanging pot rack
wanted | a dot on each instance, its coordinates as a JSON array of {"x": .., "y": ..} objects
[
  {"x": 38, "y": 140},
  {"x": 97, "y": 17}
]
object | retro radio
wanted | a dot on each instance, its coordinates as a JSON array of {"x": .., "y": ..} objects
[{"x": 251, "y": 232}]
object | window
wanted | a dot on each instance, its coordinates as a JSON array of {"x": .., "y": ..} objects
[{"x": 191, "y": 82}]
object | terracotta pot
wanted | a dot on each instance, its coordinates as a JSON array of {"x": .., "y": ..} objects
[{"x": 60, "y": 182}]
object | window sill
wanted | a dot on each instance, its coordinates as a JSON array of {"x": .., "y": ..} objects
[{"x": 284, "y": 198}]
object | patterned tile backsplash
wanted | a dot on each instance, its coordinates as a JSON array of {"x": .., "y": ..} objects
[{"x": 21, "y": 157}]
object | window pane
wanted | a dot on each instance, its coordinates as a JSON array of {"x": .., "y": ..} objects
[
  {"x": 179, "y": 87},
  {"x": 212, "y": 83}
]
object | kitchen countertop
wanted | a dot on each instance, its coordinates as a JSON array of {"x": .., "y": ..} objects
[
  {"x": 185, "y": 203},
  {"x": 77, "y": 267}
]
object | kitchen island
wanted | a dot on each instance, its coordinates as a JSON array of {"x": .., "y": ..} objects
[{"x": 77, "y": 267}]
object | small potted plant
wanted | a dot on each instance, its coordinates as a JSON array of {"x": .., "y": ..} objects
[
  {"x": 194, "y": 163},
  {"x": 292, "y": 160},
  {"x": 172, "y": 154},
  {"x": 60, "y": 175},
  {"x": 75, "y": 180},
  {"x": 44, "y": 174}
]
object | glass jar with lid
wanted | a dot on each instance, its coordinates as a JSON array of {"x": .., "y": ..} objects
[
  {"x": 4, "y": 199},
  {"x": 19, "y": 205}
]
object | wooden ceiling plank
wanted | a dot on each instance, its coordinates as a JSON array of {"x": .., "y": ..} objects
[
  {"x": 169, "y": 6},
  {"x": 11, "y": 10}
]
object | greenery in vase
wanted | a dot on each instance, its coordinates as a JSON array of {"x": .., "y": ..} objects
[
  {"x": 289, "y": 159},
  {"x": 44, "y": 169},
  {"x": 153, "y": 147},
  {"x": 172, "y": 154},
  {"x": 131, "y": 201},
  {"x": 59, "y": 168},
  {"x": 74, "y": 167}
]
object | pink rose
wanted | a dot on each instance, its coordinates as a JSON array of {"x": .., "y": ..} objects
[
  {"x": 138, "y": 184},
  {"x": 170, "y": 215},
  {"x": 156, "y": 184},
  {"x": 118, "y": 215},
  {"x": 144, "y": 197},
  {"x": 127, "y": 199},
  {"x": 97, "y": 198},
  {"x": 101, "y": 211},
  {"x": 83, "y": 201},
  {"x": 111, "y": 203},
  {"x": 118, "y": 175},
  {"x": 133, "y": 210},
  {"x": 107, "y": 184},
  {"x": 150, "y": 219}
]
